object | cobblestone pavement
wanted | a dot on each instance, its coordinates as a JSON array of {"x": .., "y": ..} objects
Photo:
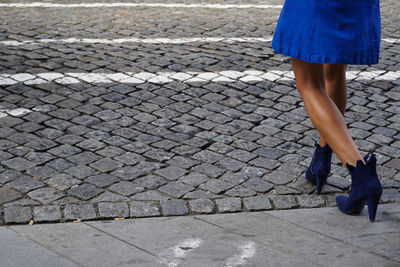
[{"x": 158, "y": 125}]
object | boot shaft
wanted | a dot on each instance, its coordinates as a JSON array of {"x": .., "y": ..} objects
[
  {"x": 364, "y": 178},
  {"x": 321, "y": 162}
]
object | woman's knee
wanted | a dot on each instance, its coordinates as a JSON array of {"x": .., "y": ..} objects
[
  {"x": 310, "y": 88},
  {"x": 308, "y": 76}
]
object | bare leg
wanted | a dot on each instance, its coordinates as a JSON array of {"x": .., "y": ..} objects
[
  {"x": 323, "y": 112},
  {"x": 336, "y": 88}
]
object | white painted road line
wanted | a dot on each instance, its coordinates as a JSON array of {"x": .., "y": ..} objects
[
  {"x": 248, "y": 76},
  {"x": 247, "y": 251},
  {"x": 173, "y": 256},
  {"x": 166, "y": 5},
  {"x": 138, "y": 40},
  {"x": 74, "y": 40}
]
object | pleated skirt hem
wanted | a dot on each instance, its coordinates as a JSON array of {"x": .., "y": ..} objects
[{"x": 360, "y": 57}]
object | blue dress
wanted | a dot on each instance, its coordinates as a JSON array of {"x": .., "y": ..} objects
[{"x": 329, "y": 31}]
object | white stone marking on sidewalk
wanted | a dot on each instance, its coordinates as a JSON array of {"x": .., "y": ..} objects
[
  {"x": 90, "y": 77},
  {"x": 173, "y": 256},
  {"x": 248, "y": 76},
  {"x": 166, "y": 5},
  {"x": 247, "y": 251},
  {"x": 232, "y": 74},
  {"x": 22, "y": 77},
  {"x": 14, "y": 112},
  {"x": 137, "y": 40},
  {"x": 152, "y": 40},
  {"x": 49, "y": 76},
  {"x": 67, "y": 80},
  {"x": 222, "y": 79},
  {"x": 6, "y": 81}
]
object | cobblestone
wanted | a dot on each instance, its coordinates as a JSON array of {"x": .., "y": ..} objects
[
  {"x": 171, "y": 172},
  {"x": 80, "y": 171},
  {"x": 45, "y": 195},
  {"x": 230, "y": 204},
  {"x": 202, "y": 205},
  {"x": 258, "y": 185},
  {"x": 339, "y": 182},
  {"x": 209, "y": 170},
  {"x": 22, "y": 202},
  {"x": 85, "y": 191},
  {"x": 17, "y": 214},
  {"x": 151, "y": 182},
  {"x": 81, "y": 212},
  {"x": 108, "y": 197},
  {"x": 105, "y": 165},
  {"x": 390, "y": 195},
  {"x": 102, "y": 180},
  {"x": 308, "y": 201},
  {"x": 284, "y": 201},
  {"x": 8, "y": 194},
  {"x": 257, "y": 203},
  {"x": 110, "y": 209},
  {"x": 216, "y": 186},
  {"x": 144, "y": 209},
  {"x": 230, "y": 164},
  {"x": 240, "y": 191},
  {"x": 62, "y": 181},
  {"x": 176, "y": 189},
  {"x": 241, "y": 155},
  {"x": 172, "y": 207},
  {"x": 234, "y": 178},
  {"x": 25, "y": 184},
  {"x": 19, "y": 164},
  {"x": 126, "y": 188},
  {"x": 41, "y": 172},
  {"x": 207, "y": 156},
  {"x": 279, "y": 177},
  {"x": 47, "y": 213}
]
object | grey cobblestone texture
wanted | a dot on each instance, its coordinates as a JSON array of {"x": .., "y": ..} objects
[
  {"x": 110, "y": 209},
  {"x": 257, "y": 203},
  {"x": 202, "y": 205},
  {"x": 47, "y": 213},
  {"x": 79, "y": 212},
  {"x": 234, "y": 138},
  {"x": 144, "y": 209},
  {"x": 17, "y": 214}
]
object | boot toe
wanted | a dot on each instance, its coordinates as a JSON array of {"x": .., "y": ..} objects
[{"x": 347, "y": 207}]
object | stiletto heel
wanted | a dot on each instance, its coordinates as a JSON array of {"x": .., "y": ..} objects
[
  {"x": 321, "y": 181},
  {"x": 372, "y": 203},
  {"x": 320, "y": 166},
  {"x": 365, "y": 188}
]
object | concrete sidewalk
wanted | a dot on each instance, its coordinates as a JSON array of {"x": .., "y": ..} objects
[{"x": 303, "y": 237}]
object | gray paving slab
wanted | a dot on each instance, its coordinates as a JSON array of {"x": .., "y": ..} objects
[
  {"x": 17, "y": 250},
  {"x": 302, "y": 244},
  {"x": 381, "y": 237},
  {"x": 215, "y": 245},
  {"x": 85, "y": 245}
]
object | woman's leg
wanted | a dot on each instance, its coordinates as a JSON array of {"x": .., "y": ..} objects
[
  {"x": 336, "y": 88},
  {"x": 323, "y": 112}
]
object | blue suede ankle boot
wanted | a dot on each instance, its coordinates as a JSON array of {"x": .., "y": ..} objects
[
  {"x": 320, "y": 166},
  {"x": 365, "y": 188}
]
